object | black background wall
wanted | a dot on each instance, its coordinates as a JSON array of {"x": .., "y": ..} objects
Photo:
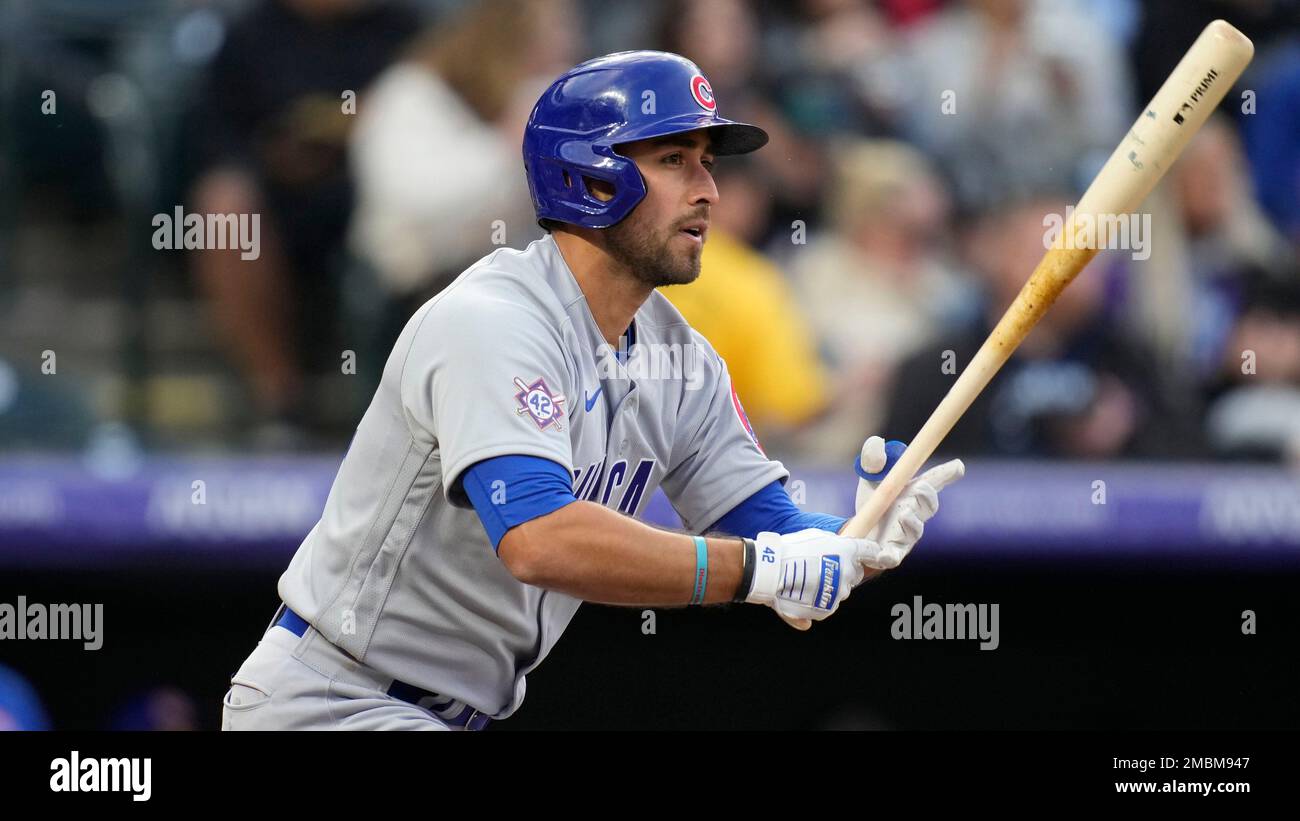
[{"x": 1107, "y": 646}]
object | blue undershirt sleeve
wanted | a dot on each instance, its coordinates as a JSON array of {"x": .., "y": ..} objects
[
  {"x": 507, "y": 491},
  {"x": 770, "y": 509}
]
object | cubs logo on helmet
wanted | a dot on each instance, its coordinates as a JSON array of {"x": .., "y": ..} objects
[{"x": 703, "y": 93}]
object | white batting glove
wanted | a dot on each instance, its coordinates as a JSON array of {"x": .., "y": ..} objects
[
  {"x": 804, "y": 576},
  {"x": 900, "y": 528}
]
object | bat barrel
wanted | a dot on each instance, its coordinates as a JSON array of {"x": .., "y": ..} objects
[
  {"x": 1191, "y": 92},
  {"x": 1184, "y": 102}
]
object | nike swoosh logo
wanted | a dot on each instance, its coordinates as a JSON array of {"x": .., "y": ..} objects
[{"x": 591, "y": 400}]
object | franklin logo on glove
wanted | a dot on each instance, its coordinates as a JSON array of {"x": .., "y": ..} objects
[{"x": 830, "y": 581}]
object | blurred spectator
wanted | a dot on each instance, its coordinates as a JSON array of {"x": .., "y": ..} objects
[
  {"x": 1015, "y": 96},
  {"x": 1169, "y": 27},
  {"x": 20, "y": 706},
  {"x": 37, "y": 412},
  {"x": 723, "y": 38},
  {"x": 272, "y": 130},
  {"x": 1208, "y": 232},
  {"x": 1121, "y": 20},
  {"x": 1255, "y": 408},
  {"x": 1077, "y": 387},
  {"x": 905, "y": 13},
  {"x": 834, "y": 67},
  {"x": 1272, "y": 136},
  {"x": 878, "y": 285},
  {"x": 159, "y": 709},
  {"x": 436, "y": 152},
  {"x": 743, "y": 305}
]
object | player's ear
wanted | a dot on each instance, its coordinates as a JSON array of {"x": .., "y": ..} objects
[{"x": 599, "y": 189}]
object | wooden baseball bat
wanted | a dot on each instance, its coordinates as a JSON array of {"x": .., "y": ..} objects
[{"x": 1189, "y": 95}]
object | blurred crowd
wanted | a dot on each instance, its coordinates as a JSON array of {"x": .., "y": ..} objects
[
  {"x": 853, "y": 267},
  {"x": 158, "y": 708}
]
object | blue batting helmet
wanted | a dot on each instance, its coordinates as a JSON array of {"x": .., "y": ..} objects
[{"x": 575, "y": 127}]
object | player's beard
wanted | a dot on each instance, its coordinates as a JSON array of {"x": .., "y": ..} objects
[{"x": 650, "y": 256}]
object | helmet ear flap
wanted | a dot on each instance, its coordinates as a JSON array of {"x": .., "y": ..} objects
[{"x": 580, "y": 186}]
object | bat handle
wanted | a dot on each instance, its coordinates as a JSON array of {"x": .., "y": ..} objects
[
  {"x": 987, "y": 360},
  {"x": 887, "y": 491},
  {"x": 1006, "y": 335}
]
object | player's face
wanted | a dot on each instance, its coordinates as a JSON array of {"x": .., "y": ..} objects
[{"x": 661, "y": 240}]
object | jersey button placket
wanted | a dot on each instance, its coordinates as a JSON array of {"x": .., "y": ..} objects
[{"x": 626, "y": 407}]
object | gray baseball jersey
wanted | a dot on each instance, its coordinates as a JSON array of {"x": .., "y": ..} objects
[{"x": 399, "y": 571}]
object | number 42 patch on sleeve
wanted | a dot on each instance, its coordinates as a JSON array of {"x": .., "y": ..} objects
[{"x": 537, "y": 400}]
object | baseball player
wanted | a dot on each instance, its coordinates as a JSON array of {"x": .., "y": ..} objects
[{"x": 525, "y": 417}]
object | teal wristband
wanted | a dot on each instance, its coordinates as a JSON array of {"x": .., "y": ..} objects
[{"x": 701, "y": 570}]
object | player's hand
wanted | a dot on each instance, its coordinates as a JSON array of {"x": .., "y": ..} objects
[
  {"x": 900, "y": 528},
  {"x": 805, "y": 576}
]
